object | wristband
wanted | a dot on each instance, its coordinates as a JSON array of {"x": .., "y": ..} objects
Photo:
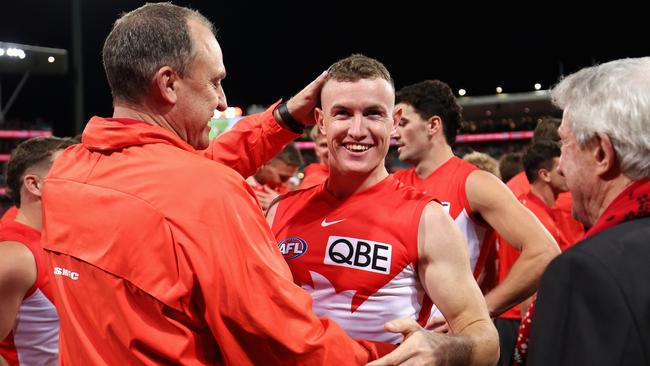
[{"x": 288, "y": 119}]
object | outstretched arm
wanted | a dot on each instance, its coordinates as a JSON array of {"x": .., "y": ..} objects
[
  {"x": 256, "y": 139},
  {"x": 490, "y": 198}
]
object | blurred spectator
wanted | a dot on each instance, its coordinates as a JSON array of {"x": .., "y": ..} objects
[
  {"x": 510, "y": 165},
  {"x": 273, "y": 178},
  {"x": 546, "y": 130},
  {"x": 316, "y": 173},
  {"x": 484, "y": 162}
]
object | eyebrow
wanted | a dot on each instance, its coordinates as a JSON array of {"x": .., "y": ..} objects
[{"x": 374, "y": 106}]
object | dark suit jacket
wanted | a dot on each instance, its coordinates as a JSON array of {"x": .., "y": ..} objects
[{"x": 593, "y": 304}]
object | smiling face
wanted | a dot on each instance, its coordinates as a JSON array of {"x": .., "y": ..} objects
[
  {"x": 200, "y": 90},
  {"x": 358, "y": 119}
]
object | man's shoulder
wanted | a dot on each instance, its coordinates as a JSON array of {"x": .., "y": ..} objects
[
  {"x": 628, "y": 236},
  {"x": 622, "y": 250},
  {"x": 401, "y": 174},
  {"x": 302, "y": 195}
]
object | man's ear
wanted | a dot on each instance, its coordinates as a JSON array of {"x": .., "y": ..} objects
[
  {"x": 604, "y": 155},
  {"x": 397, "y": 117},
  {"x": 165, "y": 84},
  {"x": 434, "y": 124},
  {"x": 319, "y": 116},
  {"x": 33, "y": 184},
  {"x": 544, "y": 175}
]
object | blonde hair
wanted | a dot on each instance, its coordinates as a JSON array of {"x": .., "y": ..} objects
[{"x": 483, "y": 162}]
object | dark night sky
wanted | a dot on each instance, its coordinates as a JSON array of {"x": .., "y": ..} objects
[{"x": 272, "y": 49}]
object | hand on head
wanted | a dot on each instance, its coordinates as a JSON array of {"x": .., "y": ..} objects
[{"x": 301, "y": 106}]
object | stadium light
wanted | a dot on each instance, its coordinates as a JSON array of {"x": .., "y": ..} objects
[
  {"x": 538, "y": 86},
  {"x": 20, "y": 58},
  {"x": 499, "y": 90},
  {"x": 462, "y": 92},
  {"x": 28, "y": 60}
]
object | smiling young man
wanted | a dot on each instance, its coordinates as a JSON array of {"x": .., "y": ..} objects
[{"x": 368, "y": 248}]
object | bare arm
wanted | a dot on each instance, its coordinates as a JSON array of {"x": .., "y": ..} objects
[
  {"x": 490, "y": 198},
  {"x": 447, "y": 278},
  {"x": 266, "y": 197},
  {"x": 17, "y": 276},
  {"x": 445, "y": 273},
  {"x": 270, "y": 213}
]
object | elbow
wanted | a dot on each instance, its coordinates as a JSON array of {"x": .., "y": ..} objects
[
  {"x": 495, "y": 351},
  {"x": 549, "y": 252},
  {"x": 542, "y": 251},
  {"x": 543, "y": 257},
  {"x": 489, "y": 352}
]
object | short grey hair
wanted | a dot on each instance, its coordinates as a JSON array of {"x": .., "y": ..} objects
[
  {"x": 614, "y": 99},
  {"x": 144, "y": 40}
]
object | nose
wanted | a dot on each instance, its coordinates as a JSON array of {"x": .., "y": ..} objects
[
  {"x": 357, "y": 128},
  {"x": 560, "y": 167},
  {"x": 222, "y": 103}
]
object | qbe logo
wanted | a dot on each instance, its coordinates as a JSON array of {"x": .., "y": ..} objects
[
  {"x": 292, "y": 248},
  {"x": 360, "y": 254}
]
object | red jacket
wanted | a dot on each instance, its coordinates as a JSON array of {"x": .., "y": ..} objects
[{"x": 165, "y": 258}]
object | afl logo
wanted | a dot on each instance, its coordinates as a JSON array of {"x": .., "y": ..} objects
[{"x": 292, "y": 248}]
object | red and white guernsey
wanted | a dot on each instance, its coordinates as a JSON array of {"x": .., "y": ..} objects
[
  {"x": 34, "y": 340},
  {"x": 447, "y": 185},
  {"x": 357, "y": 257}
]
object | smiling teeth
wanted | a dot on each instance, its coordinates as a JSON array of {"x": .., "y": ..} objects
[{"x": 357, "y": 147}]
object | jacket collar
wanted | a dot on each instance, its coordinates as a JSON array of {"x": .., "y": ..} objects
[{"x": 109, "y": 134}]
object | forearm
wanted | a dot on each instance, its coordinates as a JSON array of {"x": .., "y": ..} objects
[
  {"x": 477, "y": 344},
  {"x": 251, "y": 142},
  {"x": 524, "y": 305},
  {"x": 520, "y": 283}
]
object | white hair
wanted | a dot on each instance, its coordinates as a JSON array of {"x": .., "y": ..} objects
[{"x": 614, "y": 99}]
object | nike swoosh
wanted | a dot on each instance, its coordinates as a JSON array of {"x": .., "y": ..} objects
[{"x": 326, "y": 224}]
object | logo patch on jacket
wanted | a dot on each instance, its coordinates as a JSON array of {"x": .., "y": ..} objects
[{"x": 292, "y": 248}]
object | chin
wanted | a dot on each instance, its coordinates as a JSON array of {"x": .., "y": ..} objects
[
  {"x": 356, "y": 169},
  {"x": 200, "y": 144}
]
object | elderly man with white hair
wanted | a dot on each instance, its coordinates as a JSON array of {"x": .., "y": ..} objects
[{"x": 593, "y": 304}]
